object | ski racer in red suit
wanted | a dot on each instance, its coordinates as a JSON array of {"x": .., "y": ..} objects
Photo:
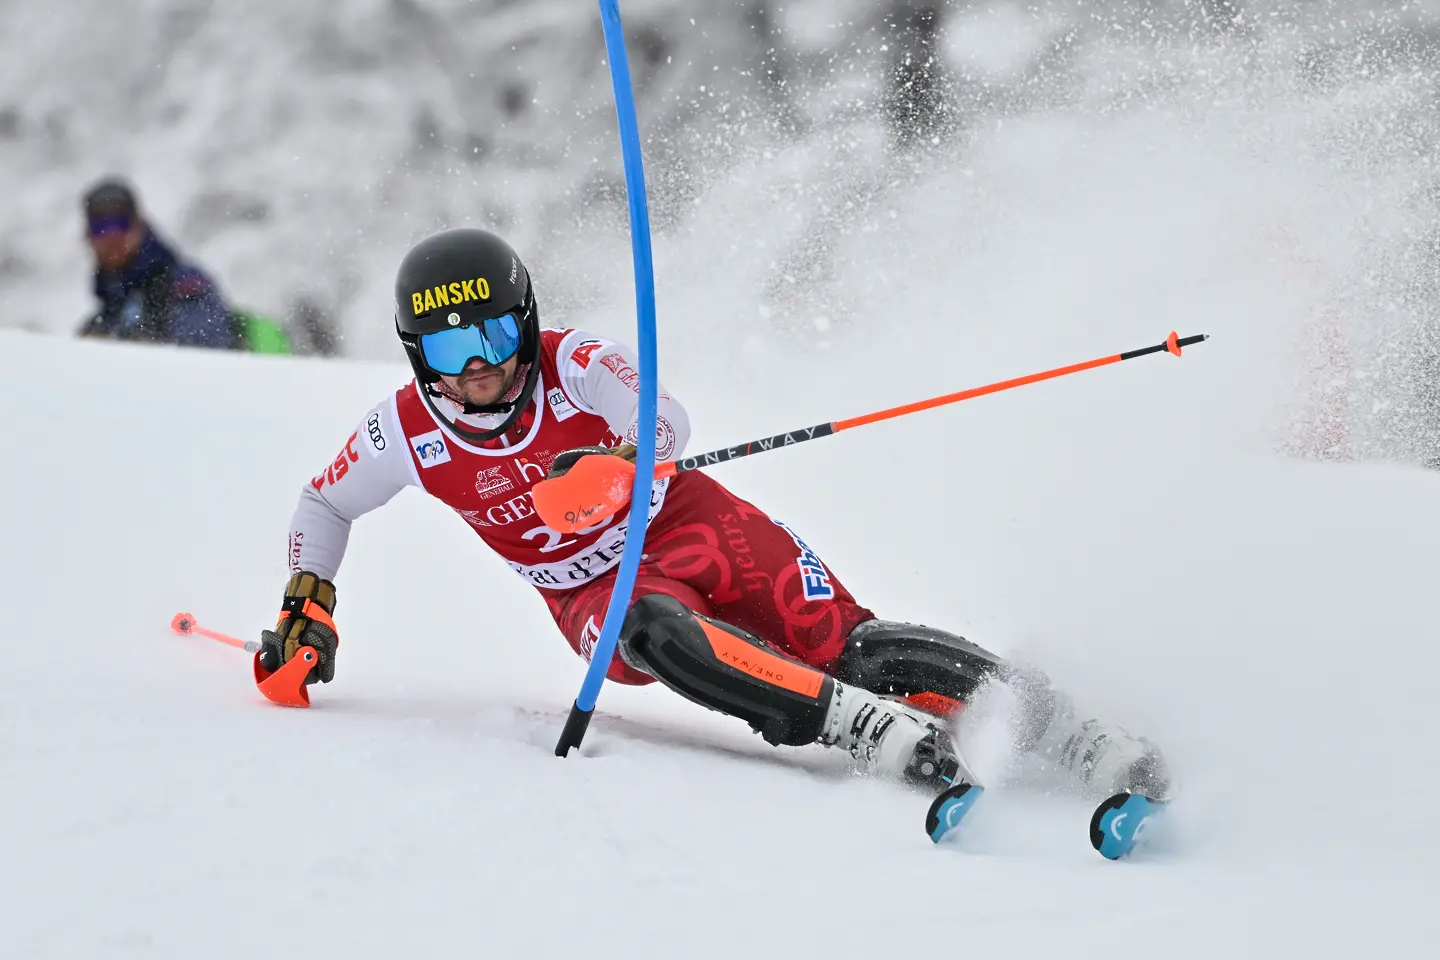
[{"x": 731, "y": 608}]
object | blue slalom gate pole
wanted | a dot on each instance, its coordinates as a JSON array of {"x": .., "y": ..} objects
[{"x": 584, "y": 707}]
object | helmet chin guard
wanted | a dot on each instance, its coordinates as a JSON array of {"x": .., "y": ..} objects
[{"x": 514, "y": 407}]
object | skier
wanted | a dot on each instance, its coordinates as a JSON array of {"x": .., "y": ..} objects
[{"x": 731, "y": 609}]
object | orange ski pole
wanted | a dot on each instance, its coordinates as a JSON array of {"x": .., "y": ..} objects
[
  {"x": 284, "y": 686},
  {"x": 598, "y": 487},
  {"x": 185, "y": 625}
]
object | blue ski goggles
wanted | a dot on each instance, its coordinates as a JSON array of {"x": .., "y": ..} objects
[
  {"x": 100, "y": 226},
  {"x": 494, "y": 341}
]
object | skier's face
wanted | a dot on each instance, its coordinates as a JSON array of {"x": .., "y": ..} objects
[
  {"x": 114, "y": 242},
  {"x": 483, "y": 383}
]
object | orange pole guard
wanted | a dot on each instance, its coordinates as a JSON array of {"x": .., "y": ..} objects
[
  {"x": 592, "y": 491},
  {"x": 186, "y": 625},
  {"x": 286, "y": 686}
]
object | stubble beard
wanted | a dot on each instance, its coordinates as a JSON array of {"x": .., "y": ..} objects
[{"x": 495, "y": 390}]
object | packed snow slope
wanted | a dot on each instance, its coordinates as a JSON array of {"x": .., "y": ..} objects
[{"x": 1271, "y": 623}]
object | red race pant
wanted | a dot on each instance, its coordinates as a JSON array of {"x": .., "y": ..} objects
[{"x": 724, "y": 558}]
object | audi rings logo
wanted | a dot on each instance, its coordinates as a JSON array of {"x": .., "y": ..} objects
[{"x": 376, "y": 434}]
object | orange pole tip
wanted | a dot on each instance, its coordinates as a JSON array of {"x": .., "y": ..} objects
[
  {"x": 591, "y": 492},
  {"x": 286, "y": 686},
  {"x": 1172, "y": 343},
  {"x": 186, "y": 625}
]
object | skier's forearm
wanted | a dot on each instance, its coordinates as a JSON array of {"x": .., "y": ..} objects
[
  {"x": 318, "y": 536},
  {"x": 370, "y": 469},
  {"x": 672, "y": 429}
]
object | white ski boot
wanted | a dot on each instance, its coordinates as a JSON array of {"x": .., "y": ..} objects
[
  {"x": 890, "y": 738},
  {"x": 1105, "y": 759}
]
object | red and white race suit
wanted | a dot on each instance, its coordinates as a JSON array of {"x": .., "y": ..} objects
[{"x": 719, "y": 555}]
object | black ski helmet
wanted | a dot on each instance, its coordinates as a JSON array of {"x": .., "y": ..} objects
[{"x": 457, "y": 278}]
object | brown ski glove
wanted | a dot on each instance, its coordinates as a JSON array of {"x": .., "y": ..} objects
[
  {"x": 564, "y": 461},
  {"x": 304, "y": 622}
]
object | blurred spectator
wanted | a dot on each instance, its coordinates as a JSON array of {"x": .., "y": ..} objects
[{"x": 146, "y": 292}]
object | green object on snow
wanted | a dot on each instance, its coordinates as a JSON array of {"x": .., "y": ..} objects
[{"x": 262, "y": 335}]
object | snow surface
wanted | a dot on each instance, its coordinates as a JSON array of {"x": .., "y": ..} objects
[{"x": 1269, "y": 622}]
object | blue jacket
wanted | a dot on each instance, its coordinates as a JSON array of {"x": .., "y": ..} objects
[{"x": 158, "y": 298}]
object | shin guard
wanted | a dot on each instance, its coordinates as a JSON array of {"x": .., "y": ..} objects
[
  {"x": 922, "y": 664},
  {"x": 940, "y": 672},
  {"x": 726, "y": 669}
]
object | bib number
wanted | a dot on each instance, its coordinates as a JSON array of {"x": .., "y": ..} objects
[{"x": 555, "y": 540}]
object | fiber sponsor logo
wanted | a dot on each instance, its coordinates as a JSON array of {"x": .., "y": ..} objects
[
  {"x": 813, "y": 576},
  {"x": 377, "y": 435},
  {"x": 489, "y": 483},
  {"x": 430, "y": 449},
  {"x": 450, "y": 293},
  {"x": 336, "y": 471}
]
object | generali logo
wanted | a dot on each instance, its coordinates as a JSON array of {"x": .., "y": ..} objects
[{"x": 490, "y": 483}]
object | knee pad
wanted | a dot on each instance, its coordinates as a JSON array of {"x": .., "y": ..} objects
[
  {"x": 726, "y": 669},
  {"x": 911, "y": 660}
]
